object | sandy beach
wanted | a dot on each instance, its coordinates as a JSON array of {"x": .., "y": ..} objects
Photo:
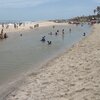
[
  {"x": 73, "y": 75},
  {"x": 28, "y": 26}
]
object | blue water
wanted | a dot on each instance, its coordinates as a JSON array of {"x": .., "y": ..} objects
[{"x": 20, "y": 54}]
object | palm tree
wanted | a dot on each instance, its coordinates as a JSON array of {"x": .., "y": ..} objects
[{"x": 98, "y": 10}]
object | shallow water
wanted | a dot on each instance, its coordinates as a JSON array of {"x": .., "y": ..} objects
[{"x": 19, "y": 54}]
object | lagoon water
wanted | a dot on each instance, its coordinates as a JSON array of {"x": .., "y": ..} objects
[{"x": 20, "y": 54}]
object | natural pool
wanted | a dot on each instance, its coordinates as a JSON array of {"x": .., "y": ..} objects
[{"x": 21, "y": 54}]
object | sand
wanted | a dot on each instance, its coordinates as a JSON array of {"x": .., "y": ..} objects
[
  {"x": 74, "y": 75},
  {"x": 28, "y": 26}
]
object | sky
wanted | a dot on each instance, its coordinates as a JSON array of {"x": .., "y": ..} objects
[{"x": 45, "y": 9}]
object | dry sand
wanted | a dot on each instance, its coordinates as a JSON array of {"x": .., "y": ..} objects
[
  {"x": 75, "y": 75},
  {"x": 29, "y": 25}
]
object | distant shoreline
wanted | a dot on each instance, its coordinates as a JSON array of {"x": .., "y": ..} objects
[{"x": 28, "y": 26}]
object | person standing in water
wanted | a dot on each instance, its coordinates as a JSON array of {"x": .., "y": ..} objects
[
  {"x": 56, "y": 33},
  {"x": 43, "y": 39},
  {"x": 57, "y": 30},
  {"x": 49, "y": 42},
  {"x": 70, "y": 30},
  {"x": 63, "y": 31},
  {"x": 84, "y": 34},
  {"x": 1, "y": 35},
  {"x": 5, "y": 36},
  {"x": 20, "y": 34},
  {"x": 53, "y": 26}
]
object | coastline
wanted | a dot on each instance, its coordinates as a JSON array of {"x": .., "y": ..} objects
[
  {"x": 13, "y": 84},
  {"x": 73, "y": 75},
  {"x": 28, "y": 26}
]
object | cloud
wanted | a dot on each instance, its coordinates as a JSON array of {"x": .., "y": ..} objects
[{"x": 21, "y": 3}]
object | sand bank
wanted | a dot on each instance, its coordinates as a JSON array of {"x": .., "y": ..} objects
[
  {"x": 28, "y": 26},
  {"x": 75, "y": 75}
]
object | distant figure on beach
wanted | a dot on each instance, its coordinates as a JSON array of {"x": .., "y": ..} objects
[
  {"x": 1, "y": 35},
  {"x": 20, "y": 24},
  {"x": 2, "y": 31},
  {"x": 7, "y": 26},
  {"x": 43, "y": 39},
  {"x": 49, "y": 42},
  {"x": 5, "y": 36},
  {"x": 84, "y": 34},
  {"x": 14, "y": 25},
  {"x": 36, "y": 26},
  {"x": 2, "y": 25}
]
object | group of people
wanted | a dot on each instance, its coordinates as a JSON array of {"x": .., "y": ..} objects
[
  {"x": 44, "y": 40},
  {"x": 3, "y": 35},
  {"x": 56, "y": 33},
  {"x": 37, "y": 25}
]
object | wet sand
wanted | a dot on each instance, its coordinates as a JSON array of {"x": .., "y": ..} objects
[{"x": 74, "y": 75}]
